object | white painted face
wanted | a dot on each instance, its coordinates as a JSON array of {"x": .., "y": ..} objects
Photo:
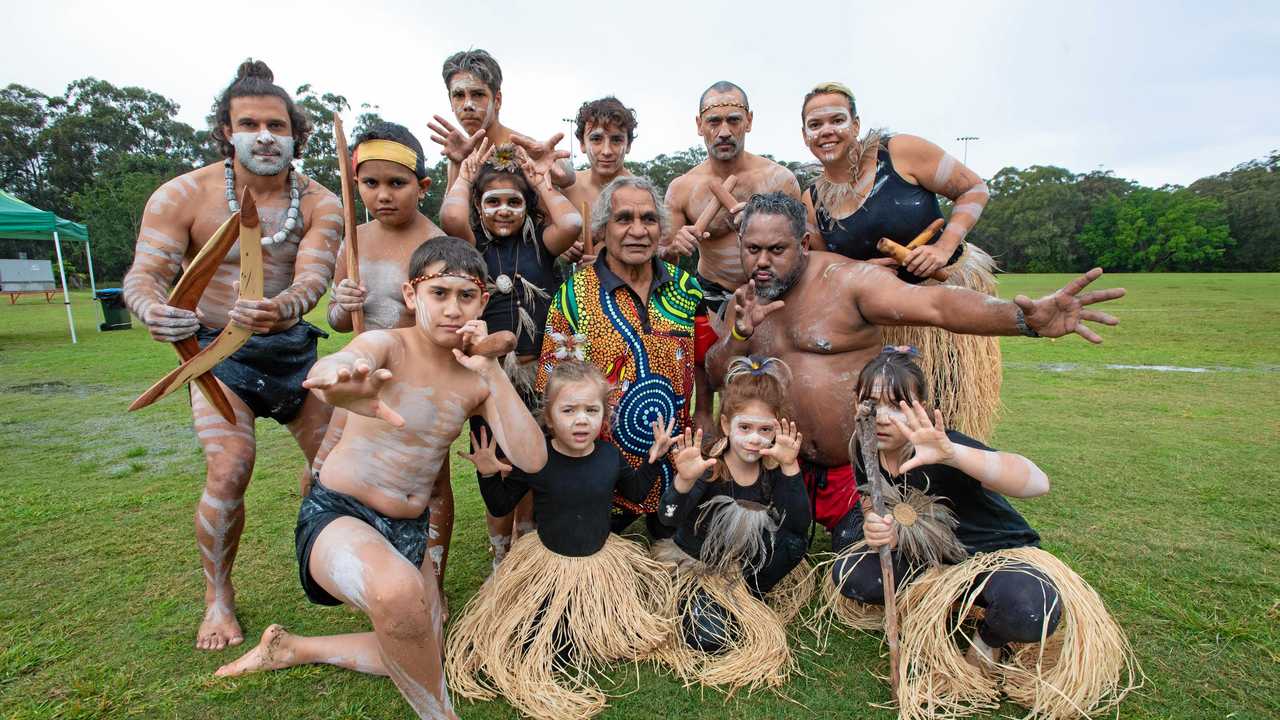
[
  {"x": 889, "y": 437},
  {"x": 474, "y": 105},
  {"x": 751, "y": 430},
  {"x": 263, "y": 153},
  {"x": 575, "y": 415},
  {"x": 828, "y": 127},
  {"x": 502, "y": 210}
]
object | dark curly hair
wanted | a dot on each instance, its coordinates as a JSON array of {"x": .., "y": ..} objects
[
  {"x": 607, "y": 110},
  {"x": 255, "y": 79},
  {"x": 396, "y": 133}
]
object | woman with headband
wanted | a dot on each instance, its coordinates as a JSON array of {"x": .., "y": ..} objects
[
  {"x": 881, "y": 186},
  {"x": 504, "y": 203}
]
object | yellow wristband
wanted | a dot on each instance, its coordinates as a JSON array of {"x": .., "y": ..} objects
[{"x": 733, "y": 332}]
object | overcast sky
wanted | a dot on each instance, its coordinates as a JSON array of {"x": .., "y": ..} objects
[{"x": 1160, "y": 92}]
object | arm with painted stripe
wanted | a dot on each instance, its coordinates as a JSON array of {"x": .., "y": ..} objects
[
  {"x": 317, "y": 254},
  {"x": 163, "y": 241},
  {"x": 938, "y": 172}
]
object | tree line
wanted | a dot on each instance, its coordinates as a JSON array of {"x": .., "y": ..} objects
[{"x": 96, "y": 152}]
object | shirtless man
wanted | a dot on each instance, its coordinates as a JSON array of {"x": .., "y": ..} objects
[
  {"x": 724, "y": 119},
  {"x": 605, "y": 129},
  {"x": 259, "y": 130},
  {"x": 474, "y": 81},
  {"x": 362, "y": 531},
  {"x": 821, "y": 313}
]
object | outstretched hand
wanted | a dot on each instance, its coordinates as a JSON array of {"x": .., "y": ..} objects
[
  {"x": 786, "y": 446},
  {"x": 662, "y": 438},
  {"x": 1063, "y": 312},
  {"x": 484, "y": 455},
  {"x": 354, "y": 387},
  {"x": 455, "y": 141},
  {"x": 748, "y": 312},
  {"x": 688, "y": 460},
  {"x": 470, "y": 167},
  {"x": 929, "y": 438}
]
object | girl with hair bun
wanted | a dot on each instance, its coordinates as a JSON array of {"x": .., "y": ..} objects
[{"x": 742, "y": 518}]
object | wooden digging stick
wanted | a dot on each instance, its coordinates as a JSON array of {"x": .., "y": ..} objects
[
  {"x": 587, "y": 248},
  {"x": 927, "y": 235},
  {"x": 233, "y": 336},
  {"x": 899, "y": 253},
  {"x": 349, "y": 241},
  {"x": 186, "y": 295},
  {"x": 868, "y": 447},
  {"x": 709, "y": 213}
]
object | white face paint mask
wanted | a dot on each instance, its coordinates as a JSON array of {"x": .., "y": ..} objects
[
  {"x": 820, "y": 119},
  {"x": 503, "y": 204},
  {"x": 747, "y": 443},
  {"x": 247, "y": 143}
]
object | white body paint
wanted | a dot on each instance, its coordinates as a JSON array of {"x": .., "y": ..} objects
[{"x": 247, "y": 142}]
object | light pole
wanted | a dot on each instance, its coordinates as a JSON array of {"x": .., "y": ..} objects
[
  {"x": 965, "y": 139},
  {"x": 570, "y": 121}
]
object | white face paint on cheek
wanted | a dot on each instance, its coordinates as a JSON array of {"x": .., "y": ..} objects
[{"x": 743, "y": 441}]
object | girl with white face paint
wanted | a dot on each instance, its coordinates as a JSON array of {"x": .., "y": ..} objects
[
  {"x": 887, "y": 187},
  {"x": 742, "y": 514},
  {"x": 602, "y": 598},
  {"x": 504, "y": 203}
]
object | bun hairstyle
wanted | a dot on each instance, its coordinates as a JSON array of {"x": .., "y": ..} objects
[{"x": 255, "y": 79}]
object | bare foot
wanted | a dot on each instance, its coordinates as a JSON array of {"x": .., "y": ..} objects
[
  {"x": 219, "y": 629},
  {"x": 273, "y": 652},
  {"x": 983, "y": 660}
]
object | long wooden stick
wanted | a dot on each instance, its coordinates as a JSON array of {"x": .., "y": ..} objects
[
  {"x": 233, "y": 336},
  {"x": 587, "y": 245},
  {"x": 348, "y": 216},
  {"x": 869, "y": 449},
  {"x": 709, "y": 213}
]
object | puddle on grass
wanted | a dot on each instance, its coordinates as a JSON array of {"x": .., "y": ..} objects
[
  {"x": 52, "y": 387},
  {"x": 1159, "y": 368}
]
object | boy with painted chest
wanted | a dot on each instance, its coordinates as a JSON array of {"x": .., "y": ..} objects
[{"x": 362, "y": 531}]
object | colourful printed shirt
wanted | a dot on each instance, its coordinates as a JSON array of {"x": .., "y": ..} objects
[{"x": 643, "y": 347}]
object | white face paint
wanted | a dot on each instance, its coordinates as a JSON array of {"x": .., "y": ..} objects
[
  {"x": 467, "y": 95},
  {"x": 502, "y": 210},
  {"x": 887, "y": 433},
  {"x": 575, "y": 416},
  {"x": 263, "y": 153},
  {"x": 749, "y": 434},
  {"x": 827, "y": 130}
]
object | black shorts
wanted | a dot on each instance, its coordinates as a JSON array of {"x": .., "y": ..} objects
[
  {"x": 322, "y": 506},
  {"x": 714, "y": 296},
  {"x": 267, "y": 372}
]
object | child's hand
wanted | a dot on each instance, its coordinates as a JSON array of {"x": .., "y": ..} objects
[
  {"x": 879, "y": 531},
  {"x": 355, "y": 387},
  {"x": 786, "y": 446},
  {"x": 929, "y": 439},
  {"x": 349, "y": 296},
  {"x": 485, "y": 455},
  {"x": 662, "y": 439},
  {"x": 470, "y": 167},
  {"x": 688, "y": 460},
  {"x": 473, "y": 332}
]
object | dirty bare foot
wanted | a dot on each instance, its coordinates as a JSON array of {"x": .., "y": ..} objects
[
  {"x": 273, "y": 652},
  {"x": 219, "y": 629}
]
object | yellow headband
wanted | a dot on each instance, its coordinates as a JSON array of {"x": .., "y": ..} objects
[{"x": 391, "y": 150}]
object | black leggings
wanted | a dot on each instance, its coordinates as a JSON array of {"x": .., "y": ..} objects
[{"x": 1016, "y": 598}]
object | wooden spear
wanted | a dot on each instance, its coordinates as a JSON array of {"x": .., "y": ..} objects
[
  {"x": 348, "y": 216},
  {"x": 868, "y": 447}
]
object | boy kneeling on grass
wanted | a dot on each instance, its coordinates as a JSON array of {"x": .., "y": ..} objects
[{"x": 362, "y": 531}]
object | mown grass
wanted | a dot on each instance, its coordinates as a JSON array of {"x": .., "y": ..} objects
[{"x": 1164, "y": 498}]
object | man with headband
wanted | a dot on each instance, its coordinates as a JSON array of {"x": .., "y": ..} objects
[
  {"x": 724, "y": 119},
  {"x": 474, "y": 81},
  {"x": 822, "y": 314},
  {"x": 259, "y": 131}
]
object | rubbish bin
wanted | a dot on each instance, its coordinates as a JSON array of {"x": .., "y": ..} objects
[{"x": 114, "y": 313}]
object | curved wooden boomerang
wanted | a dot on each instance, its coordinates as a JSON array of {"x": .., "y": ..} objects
[{"x": 233, "y": 336}]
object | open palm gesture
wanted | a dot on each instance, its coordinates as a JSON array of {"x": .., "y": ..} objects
[
  {"x": 786, "y": 445},
  {"x": 457, "y": 144},
  {"x": 748, "y": 311},
  {"x": 662, "y": 438},
  {"x": 484, "y": 455},
  {"x": 355, "y": 387},
  {"x": 688, "y": 460},
  {"x": 929, "y": 438},
  {"x": 1063, "y": 312}
]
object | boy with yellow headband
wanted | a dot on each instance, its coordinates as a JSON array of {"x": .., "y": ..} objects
[
  {"x": 391, "y": 175},
  {"x": 361, "y": 532}
]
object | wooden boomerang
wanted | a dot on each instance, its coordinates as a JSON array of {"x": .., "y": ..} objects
[
  {"x": 349, "y": 241},
  {"x": 186, "y": 294},
  {"x": 233, "y": 336},
  {"x": 718, "y": 192},
  {"x": 865, "y": 426},
  {"x": 927, "y": 235},
  {"x": 899, "y": 253}
]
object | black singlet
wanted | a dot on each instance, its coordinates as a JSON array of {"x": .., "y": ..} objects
[
  {"x": 516, "y": 257},
  {"x": 894, "y": 209}
]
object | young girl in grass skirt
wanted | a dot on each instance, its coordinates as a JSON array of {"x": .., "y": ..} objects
[
  {"x": 741, "y": 518},
  {"x": 1030, "y": 627},
  {"x": 570, "y": 597}
]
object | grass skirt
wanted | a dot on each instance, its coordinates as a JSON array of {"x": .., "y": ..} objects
[
  {"x": 964, "y": 371},
  {"x": 756, "y": 653},
  {"x": 542, "y": 625},
  {"x": 1085, "y": 668}
]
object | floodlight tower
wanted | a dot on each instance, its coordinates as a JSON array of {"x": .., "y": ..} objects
[{"x": 965, "y": 139}]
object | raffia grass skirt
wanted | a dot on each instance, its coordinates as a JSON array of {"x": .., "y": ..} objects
[
  {"x": 543, "y": 624},
  {"x": 964, "y": 371},
  {"x": 1084, "y": 668},
  {"x": 756, "y": 652}
]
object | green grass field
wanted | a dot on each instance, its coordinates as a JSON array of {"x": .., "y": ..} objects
[{"x": 1164, "y": 498}]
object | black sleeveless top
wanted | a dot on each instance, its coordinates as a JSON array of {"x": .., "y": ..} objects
[
  {"x": 518, "y": 258},
  {"x": 894, "y": 209}
]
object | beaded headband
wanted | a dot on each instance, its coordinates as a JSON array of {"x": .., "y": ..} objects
[
  {"x": 470, "y": 278},
  {"x": 736, "y": 104}
]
